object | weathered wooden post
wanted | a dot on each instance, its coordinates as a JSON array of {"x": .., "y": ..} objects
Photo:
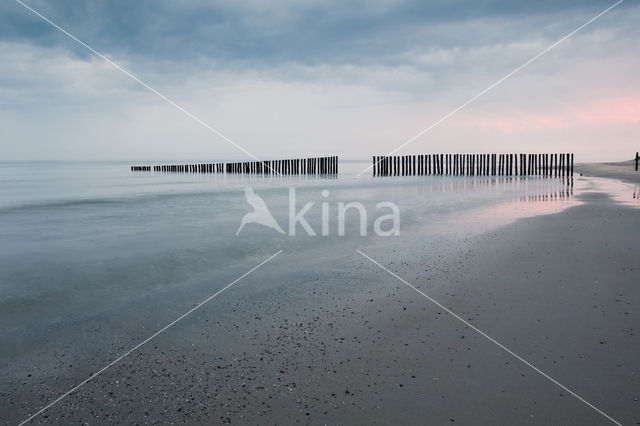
[{"x": 572, "y": 165}]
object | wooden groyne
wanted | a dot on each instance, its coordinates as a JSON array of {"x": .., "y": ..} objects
[
  {"x": 550, "y": 165},
  {"x": 298, "y": 166}
]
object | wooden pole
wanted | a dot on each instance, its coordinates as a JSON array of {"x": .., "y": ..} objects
[{"x": 571, "y": 164}]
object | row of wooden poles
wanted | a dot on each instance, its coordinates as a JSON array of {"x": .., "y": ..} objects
[
  {"x": 556, "y": 165},
  {"x": 298, "y": 166}
]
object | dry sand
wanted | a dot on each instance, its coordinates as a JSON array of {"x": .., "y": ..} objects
[{"x": 326, "y": 337}]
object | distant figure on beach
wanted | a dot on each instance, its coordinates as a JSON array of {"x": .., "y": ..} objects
[{"x": 260, "y": 213}]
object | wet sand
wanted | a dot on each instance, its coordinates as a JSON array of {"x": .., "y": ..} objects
[
  {"x": 326, "y": 337},
  {"x": 623, "y": 170}
]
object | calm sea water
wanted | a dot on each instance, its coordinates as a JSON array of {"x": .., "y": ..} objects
[
  {"x": 77, "y": 229},
  {"x": 95, "y": 257},
  {"x": 77, "y": 233}
]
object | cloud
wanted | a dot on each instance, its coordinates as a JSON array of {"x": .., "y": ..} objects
[
  {"x": 300, "y": 77},
  {"x": 278, "y": 31}
]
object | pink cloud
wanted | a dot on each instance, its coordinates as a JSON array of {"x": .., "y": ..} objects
[{"x": 611, "y": 111}]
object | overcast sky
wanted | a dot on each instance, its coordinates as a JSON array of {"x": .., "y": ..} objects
[{"x": 309, "y": 77}]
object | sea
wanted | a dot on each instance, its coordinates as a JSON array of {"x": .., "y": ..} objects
[
  {"x": 95, "y": 257},
  {"x": 75, "y": 231}
]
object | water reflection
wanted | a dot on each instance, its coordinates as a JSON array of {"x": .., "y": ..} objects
[
  {"x": 514, "y": 198},
  {"x": 540, "y": 198},
  {"x": 621, "y": 192},
  {"x": 551, "y": 196}
]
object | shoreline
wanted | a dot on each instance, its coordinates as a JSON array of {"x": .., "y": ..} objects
[
  {"x": 327, "y": 337},
  {"x": 622, "y": 170}
]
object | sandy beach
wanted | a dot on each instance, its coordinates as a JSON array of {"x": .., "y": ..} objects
[
  {"x": 622, "y": 170},
  {"x": 324, "y": 336}
]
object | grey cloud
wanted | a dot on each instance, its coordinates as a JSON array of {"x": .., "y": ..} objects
[
  {"x": 257, "y": 32},
  {"x": 354, "y": 72}
]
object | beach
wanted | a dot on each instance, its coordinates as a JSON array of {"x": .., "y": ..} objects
[
  {"x": 319, "y": 213},
  {"x": 321, "y": 334},
  {"x": 622, "y": 170}
]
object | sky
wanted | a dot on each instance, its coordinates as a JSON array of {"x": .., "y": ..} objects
[{"x": 285, "y": 78}]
